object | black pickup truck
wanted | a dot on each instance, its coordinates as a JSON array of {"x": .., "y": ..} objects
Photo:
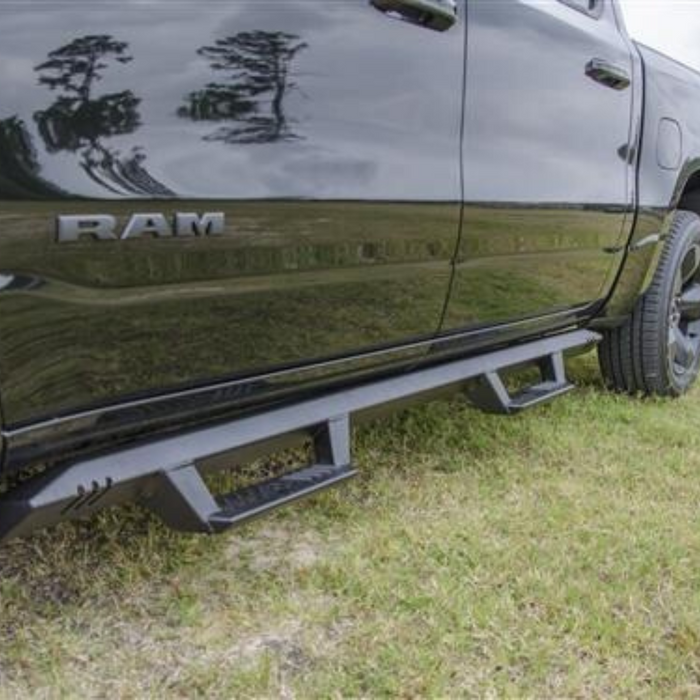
[{"x": 231, "y": 225}]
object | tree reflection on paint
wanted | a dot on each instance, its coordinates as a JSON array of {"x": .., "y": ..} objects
[
  {"x": 79, "y": 121},
  {"x": 258, "y": 78}
]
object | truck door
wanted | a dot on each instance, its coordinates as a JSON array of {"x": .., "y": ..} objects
[
  {"x": 549, "y": 100},
  {"x": 241, "y": 187}
]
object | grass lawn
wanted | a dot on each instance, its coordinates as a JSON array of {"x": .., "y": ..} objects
[{"x": 556, "y": 554}]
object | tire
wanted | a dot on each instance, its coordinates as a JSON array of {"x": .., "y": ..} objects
[{"x": 657, "y": 351}]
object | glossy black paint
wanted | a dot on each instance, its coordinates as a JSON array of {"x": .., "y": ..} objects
[
  {"x": 548, "y": 186},
  {"x": 320, "y": 131},
  {"x": 378, "y": 215},
  {"x": 671, "y": 91}
]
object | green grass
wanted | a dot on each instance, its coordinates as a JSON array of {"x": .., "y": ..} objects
[{"x": 556, "y": 554}]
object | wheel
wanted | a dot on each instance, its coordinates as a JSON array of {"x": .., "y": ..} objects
[{"x": 657, "y": 351}]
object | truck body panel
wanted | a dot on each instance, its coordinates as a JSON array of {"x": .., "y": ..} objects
[
  {"x": 548, "y": 181},
  {"x": 317, "y": 130},
  {"x": 213, "y": 211}
]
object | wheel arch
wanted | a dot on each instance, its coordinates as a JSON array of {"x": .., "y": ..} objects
[{"x": 688, "y": 191}]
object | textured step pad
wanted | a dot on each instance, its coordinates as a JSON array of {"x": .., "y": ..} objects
[
  {"x": 537, "y": 394},
  {"x": 255, "y": 500}
]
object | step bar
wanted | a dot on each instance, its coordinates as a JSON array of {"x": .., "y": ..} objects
[{"x": 166, "y": 475}]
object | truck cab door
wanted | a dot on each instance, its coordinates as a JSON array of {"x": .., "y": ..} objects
[
  {"x": 262, "y": 188},
  {"x": 547, "y": 162}
]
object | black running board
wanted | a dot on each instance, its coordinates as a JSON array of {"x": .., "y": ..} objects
[{"x": 165, "y": 475}]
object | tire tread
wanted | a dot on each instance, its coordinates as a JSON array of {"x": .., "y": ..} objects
[{"x": 632, "y": 356}]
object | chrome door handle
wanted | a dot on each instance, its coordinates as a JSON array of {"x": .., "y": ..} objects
[
  {"x": 439, "y": 15},
  {"x": 608, "y": 74}
]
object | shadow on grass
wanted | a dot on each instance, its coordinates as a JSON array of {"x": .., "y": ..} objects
[
  {"x": 63, "y": 564},
  {"x": 113, "y": 551},
  {"x": 584, "y": 372},
  {"x": 119, "y": 549}
]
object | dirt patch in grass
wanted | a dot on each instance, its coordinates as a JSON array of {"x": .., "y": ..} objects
[{"x": 274, "y": 546}]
